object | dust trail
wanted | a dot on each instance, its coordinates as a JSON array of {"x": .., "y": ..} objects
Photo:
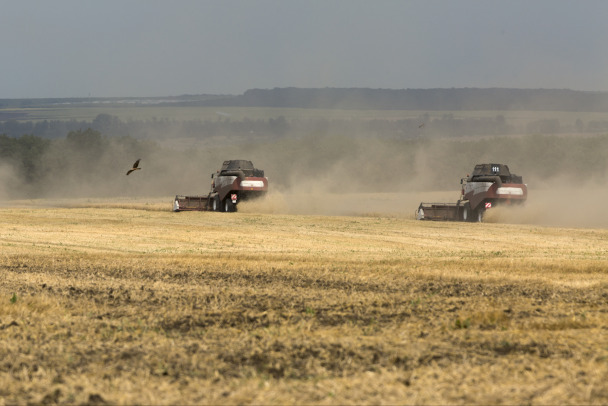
[
  {"x": 342, "y": 204},
  {"x": 7, "y": 177},
  {"x": 561, "y": 206}
]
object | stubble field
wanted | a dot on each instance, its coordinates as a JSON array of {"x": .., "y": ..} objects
[{"x": 131, "y": 303}]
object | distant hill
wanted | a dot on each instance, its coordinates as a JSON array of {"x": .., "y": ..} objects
[{"x": 421, "y": 99}]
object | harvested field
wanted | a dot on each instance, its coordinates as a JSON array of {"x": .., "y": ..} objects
[{"x": 119, "y": 303}]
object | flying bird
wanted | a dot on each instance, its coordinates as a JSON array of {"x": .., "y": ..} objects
[
  {"x": 421, "y": 125},
  {"x": 135, "y": 167}
]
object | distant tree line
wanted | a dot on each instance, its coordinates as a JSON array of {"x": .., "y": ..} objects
[
  {"x": 421, "y": 99},
  {"x": 40, "y": 166},
  {"x": 444, "y": 126}
]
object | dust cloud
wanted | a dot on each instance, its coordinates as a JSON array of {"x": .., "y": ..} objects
[
  {"x": 375, "y": 177},
  {"x": 544, "y": 207},
  {"x": 322, "y": 173},
  {"x": 562, "y": 206},
  {"x": 8, "y": 179}
]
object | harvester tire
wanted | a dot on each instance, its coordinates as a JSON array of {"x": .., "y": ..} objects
[
  {"x": 480, "y": 214},
  {"x": 216, "y": 203},
  {"x": 228, "y": 206}
]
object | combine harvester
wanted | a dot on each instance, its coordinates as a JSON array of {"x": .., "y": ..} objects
[
  {"x": 488, "y": 186},
  {"x": 238, "y": 180}
]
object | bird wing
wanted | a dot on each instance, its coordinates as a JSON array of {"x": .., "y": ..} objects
[
  {"x": 130, "y": 170},
  {"x": 136, "y": 163}
]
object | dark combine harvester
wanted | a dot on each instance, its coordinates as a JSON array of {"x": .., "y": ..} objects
[
  {"x": 238, "y": 180},
  {"x": 489, "y": 185}
]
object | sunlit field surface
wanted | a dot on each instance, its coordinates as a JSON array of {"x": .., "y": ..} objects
[{"x": 127, "y": 302}]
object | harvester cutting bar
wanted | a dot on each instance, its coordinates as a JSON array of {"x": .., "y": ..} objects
[
  {"x": 190, "y": 203},
  {"x": 439, "y": 211}
]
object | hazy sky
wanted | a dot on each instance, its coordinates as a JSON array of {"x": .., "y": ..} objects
[{"x": 106, "y": 48}]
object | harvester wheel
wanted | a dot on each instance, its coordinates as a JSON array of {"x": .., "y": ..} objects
[
  {"x": 216, "y": 203},
  {"x": 227, "y": 205},
  {"x": 480, "y": 214}
]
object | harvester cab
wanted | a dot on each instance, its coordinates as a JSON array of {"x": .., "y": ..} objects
[{"x": 493, "y": 173}]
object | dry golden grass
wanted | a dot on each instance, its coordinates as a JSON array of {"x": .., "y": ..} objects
[{"x": 128, "y": 303}]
